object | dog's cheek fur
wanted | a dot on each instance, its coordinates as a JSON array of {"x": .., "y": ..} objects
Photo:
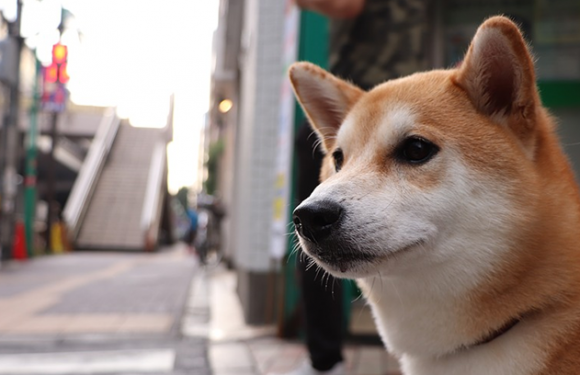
[{"x": 462, "y": 251}]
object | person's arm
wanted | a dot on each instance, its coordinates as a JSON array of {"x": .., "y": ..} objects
[{"x": 334, "y": 8}]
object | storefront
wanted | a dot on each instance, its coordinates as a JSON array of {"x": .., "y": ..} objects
[{"x": 552, "y": 28}]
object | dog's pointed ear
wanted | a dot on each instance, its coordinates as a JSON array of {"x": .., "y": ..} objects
[
  {"x": 498, "y": 73},
  {"x": 325, "y": 99}
]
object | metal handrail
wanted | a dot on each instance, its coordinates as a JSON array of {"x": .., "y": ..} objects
[
  {"x": 153, "y": 199},
  {"x": 84, "y": 184}
]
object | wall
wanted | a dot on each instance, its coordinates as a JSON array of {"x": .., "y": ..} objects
[{"x": 262, "y": 71}]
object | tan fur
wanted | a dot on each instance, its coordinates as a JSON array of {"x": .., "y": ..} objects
[{"x": 509, "y": 138}]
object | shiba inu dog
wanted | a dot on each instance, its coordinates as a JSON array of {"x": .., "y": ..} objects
[{"x": 448, "y": 197}]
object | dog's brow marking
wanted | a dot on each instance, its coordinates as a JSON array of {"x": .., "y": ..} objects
[
  {"x": 347, "y": 130},
  {"x": 400, "y": 119}
]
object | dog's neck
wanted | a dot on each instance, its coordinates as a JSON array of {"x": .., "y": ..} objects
[{"x": 443, "y": 344}]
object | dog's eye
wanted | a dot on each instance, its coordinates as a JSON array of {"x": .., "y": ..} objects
[
  {"x": 416, "y": 150},
  {"x": 338, "y": 159}
]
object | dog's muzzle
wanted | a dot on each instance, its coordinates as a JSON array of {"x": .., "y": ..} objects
[{"x": 315, "y": 221}]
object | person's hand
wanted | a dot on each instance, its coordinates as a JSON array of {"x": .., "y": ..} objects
[{"x": 333, "y": 8}]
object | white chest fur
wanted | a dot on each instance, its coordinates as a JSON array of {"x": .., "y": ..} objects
[{"x": 424, "y": 333}]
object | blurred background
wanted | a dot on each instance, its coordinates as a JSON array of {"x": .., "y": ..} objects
[{"x": 125, "y": 123}]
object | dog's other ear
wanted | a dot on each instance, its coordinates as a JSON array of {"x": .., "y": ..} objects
[
  {"x": 498, "y": 75},
  {"x": 325, "y": 99}
]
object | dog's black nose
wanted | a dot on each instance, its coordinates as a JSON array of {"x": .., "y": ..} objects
[{"x": 316, "y": 221}]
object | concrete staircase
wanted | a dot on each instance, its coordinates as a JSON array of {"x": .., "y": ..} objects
[{"x": 113, "y": 216}]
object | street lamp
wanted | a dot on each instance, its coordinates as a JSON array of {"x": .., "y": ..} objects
[{"x": 225, "y": 105}]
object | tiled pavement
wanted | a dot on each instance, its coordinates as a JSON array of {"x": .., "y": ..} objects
[
  {"x": 114, "y": 313},
  {"x": 235, "y": 348},
  {"x": 94, "y": 293},
  {"x": 122, "y": 313}
]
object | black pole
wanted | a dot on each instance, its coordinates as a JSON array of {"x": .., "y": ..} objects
[{"x": 53, "y": 208}]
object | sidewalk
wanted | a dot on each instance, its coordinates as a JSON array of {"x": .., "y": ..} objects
[
  {"x": 93, "y": 293},
  {"x": 99, "y": 312},
  {"x": 235, "y": 348},
  {"x": 135, "y": 313}
]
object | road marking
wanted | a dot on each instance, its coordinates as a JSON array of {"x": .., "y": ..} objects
[{"x": 156, "y": 360}]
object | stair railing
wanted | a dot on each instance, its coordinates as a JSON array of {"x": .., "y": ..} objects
[
  {"x": 85, "y": 182},
  {"x": 151, "y": 213}
]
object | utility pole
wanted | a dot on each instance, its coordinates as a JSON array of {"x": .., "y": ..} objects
[
  {"x": 50, "y": 182},
  {"x": 11, "y": 143},
  {"x": 30, "y": 179}
]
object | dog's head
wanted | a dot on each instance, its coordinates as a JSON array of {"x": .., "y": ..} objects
[{"x": 431, "y": 169}]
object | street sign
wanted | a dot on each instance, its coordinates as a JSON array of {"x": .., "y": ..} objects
[
  {"x": 54, "y": 93},
  {"x": 54, "y": 96}
]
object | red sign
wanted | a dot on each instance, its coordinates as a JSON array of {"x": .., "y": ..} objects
[{"x": 54, "y": 93}]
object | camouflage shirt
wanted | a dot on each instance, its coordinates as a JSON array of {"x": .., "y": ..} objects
[{"x": 388, "y": 39}]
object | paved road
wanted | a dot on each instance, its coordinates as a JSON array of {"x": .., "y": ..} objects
[{"x": 115, "y": 313}]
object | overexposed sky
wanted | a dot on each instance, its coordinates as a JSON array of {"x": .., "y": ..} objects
[{"x": 134, "y": 54}]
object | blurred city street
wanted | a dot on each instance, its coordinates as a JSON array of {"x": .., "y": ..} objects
[
  {"x": 123, "y": 313},
  {"x": 99, "y": 313}
]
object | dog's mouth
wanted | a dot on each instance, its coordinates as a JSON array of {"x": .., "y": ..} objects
[
  {"x": 343, "y": 257},
  {"x": 342, "y": 261}
]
